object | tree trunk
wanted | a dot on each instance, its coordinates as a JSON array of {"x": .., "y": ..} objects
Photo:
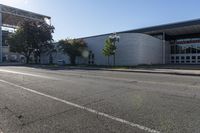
[
  {"x": 36, "y": 59},
  {"x": 108, "y": 61},
  {"x": 73, "y": 60},
  {"x": 27, "y": 59},
  {"x": 50, "y": 59},
  {"x": 39, "y": 58}
]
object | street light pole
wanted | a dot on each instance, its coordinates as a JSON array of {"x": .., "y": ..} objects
[
  {"x": 115, "y": 38},
  {"x": 114, "y": 55}
]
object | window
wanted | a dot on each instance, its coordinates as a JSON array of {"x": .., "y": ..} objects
[
  {"x": 182, "y": 49},
  {"x": 188, "y": 49},
  {"x": 182, "y": 59},
  {"x": 193, "y": 59},
  {"x": 172, "y": 49},
  {"x": 194, "y": 48},
  {"x": 172, "y": 59},
  {"x": 187, "y": 59},
  {"x": 198, "y": 59},
  {"x": 198, "y": 48},
  {"x": 177, "y": 49},
  {"x": 177, "y": 59}
]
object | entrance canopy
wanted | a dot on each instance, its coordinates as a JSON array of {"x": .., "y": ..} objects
[{"x": 11, "y": 16}]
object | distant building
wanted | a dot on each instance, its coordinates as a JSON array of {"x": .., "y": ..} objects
[{"x": 10, "y": 17}]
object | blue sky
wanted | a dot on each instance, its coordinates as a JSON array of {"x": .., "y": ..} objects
[{"x": 81, "y": 18}]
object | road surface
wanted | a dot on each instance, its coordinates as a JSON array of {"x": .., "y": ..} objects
[{"x": 34, "y": 100}]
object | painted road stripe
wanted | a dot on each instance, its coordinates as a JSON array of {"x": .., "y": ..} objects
[
  {"x": 27, "y": 74},
  {"x": 84, "y": 108}
]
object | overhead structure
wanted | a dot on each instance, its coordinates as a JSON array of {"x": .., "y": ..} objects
[{"x": 10, "y": 17}]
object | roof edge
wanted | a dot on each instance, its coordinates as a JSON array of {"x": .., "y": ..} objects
[{"x": 45, "y": 16}]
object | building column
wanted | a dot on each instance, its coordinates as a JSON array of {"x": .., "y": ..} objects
[
  {"x": 1, "y": 46},
  {"x": 163, "y": 49}
]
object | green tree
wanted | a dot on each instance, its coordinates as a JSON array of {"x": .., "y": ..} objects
[
  {"x": 73, "y": 48},
  {"x": 31, "y": 38},
  {"x": 109, "y": 49}
]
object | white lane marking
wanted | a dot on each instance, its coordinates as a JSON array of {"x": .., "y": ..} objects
[
  {"x": 26, "y": 74},
  {"x": 83, "y": 108}
]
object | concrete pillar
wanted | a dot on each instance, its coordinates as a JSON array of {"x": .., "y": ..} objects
[
  {"x": 1, "y": 47},
  {"x": 163, "y": 49}
]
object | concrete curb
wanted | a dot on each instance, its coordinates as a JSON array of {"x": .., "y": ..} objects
[
  {"x": 156, "y": 72},
  {"x": 114, "y": 70},
  {"x": 137, "y": 71}
]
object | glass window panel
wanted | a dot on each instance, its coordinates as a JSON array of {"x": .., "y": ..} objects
[
  {"x": 187, "y": 59},
  {"x": 177, "y": 49},
  {"x": 194, "y": 48},
  {"x": 198, "y": 60},
  {"x": 188, "y": 49},
  {"x": 177, "y": 59},
  {"x": 182, "y": 59},
  {"x": 183, "y": 48},
  {"x": 198, "y": 48},
  {"x": 172, "y": 59},
  {"x": 172, "y": 49},
  {"x": 193, "y": 59}
]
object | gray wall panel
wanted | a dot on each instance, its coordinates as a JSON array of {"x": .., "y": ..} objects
[{"x": 133, "y": 49}]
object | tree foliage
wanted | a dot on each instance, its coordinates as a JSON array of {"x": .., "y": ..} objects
[
  {"x": 31, "y": 38},
  {"x": 109, "y": 48},
  {"x": 73, "y": 48}
]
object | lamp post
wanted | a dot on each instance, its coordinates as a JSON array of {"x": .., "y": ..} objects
[{"x": 114, "y": 38}]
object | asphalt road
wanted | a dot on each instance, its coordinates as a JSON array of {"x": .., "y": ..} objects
[{"x": 34, "y": 100}]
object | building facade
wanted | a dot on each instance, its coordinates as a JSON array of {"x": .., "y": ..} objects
[{"x": 176, "y": 43}]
